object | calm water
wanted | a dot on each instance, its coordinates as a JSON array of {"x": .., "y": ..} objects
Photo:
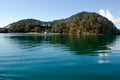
[{"x": 59, "y": 57}]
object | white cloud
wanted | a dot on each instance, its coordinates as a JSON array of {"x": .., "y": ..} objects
[{"x": 107, "y": 14}]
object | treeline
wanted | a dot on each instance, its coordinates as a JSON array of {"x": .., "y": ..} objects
[
  {"x": 82, "y": 23},
  {"x": 3, "y": 30}
]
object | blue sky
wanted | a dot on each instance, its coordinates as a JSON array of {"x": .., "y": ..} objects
[{"x": 48, "y": 10}]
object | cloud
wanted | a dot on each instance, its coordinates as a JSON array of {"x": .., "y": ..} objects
[{"x": 107, "y": 14}]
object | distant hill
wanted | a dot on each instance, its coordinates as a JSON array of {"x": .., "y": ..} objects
[
  {"x": 27, "y": 25},
  {"x": 85, "y": 23}
]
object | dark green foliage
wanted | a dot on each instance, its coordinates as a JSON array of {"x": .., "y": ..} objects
[
  {"x": 3, "y": 30},
  {"x": 23, "y": 26},
  {"x": 85, "y": 23}
]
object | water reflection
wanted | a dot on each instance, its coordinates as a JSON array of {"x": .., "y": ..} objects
[
  {"x": 79, "y": 44},
  {"x": 86, "y": 44}
]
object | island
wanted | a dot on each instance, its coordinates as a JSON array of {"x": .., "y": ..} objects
[{"x": 84, "y": 23}]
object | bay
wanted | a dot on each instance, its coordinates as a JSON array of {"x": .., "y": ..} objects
[{"x": 59, "y": 57}]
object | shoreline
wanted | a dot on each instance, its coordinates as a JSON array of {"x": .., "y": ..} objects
[
  {"x": 59, "y": 33},
  {"x": 55, "y": 33},
  {"x": 30, "y": 33}
]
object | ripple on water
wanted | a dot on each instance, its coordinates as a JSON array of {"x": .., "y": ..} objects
[{"x": 59, "y": 57}]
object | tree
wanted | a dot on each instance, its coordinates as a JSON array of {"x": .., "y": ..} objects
[
  {"x": 27, "y": 28},
  {"x": 37, "y": 29}
]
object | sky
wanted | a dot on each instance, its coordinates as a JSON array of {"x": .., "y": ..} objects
[{"x": 49, "y": 10}]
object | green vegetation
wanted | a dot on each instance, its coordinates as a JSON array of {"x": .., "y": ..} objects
[
  {"x": 85, "y": 23},
  {"x": 3, "y": 30},
  {"x": 27, "y": 25}
]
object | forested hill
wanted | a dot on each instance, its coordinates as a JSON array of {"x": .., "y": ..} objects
[
  {"x": 85, "y": 23},
  {"x": 27, "y": 25},
  {"x": 82, "y": 23}
]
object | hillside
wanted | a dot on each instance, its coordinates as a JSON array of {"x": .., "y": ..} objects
[
  {"x": 85, "y": 23},
  {"x": 27, "y": 25}
]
